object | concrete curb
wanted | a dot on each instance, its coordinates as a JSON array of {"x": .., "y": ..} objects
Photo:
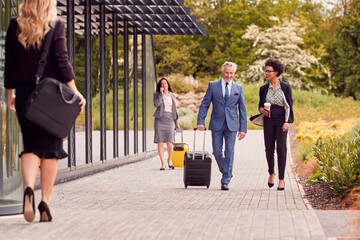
[{"x": 300, "y": 187}]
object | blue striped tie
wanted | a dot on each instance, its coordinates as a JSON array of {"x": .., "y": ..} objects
[{"x": 226, "y": 97}]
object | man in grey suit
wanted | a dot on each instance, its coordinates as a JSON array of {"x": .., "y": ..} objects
[{"x": 227, "y": 98}]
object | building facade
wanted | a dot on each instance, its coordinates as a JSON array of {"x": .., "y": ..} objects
[{"x": 110, "y": 44}]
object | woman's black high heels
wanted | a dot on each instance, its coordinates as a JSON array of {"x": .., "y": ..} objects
[
  {"x": 45, "y": 215},
  {"x": 29, "y": 205},
  {"x": 281, "y": 188},
  {"x": 270, "y": 184}
]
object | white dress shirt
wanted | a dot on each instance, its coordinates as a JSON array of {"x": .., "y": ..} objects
[{"x": 223, "y": 84}]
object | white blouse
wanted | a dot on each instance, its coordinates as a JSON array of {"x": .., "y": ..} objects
[{"x": 168, "y": 103}]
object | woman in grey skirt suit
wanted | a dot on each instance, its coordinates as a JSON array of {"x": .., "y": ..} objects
[{"x": 166, "y": 117}]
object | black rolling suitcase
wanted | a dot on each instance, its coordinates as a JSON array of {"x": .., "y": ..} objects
[{"x": 197, "y": 167}]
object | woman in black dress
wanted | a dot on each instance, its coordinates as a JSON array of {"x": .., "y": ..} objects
[
  {"x": 23, "y": 46},
  {"x": 276, "y": 124}
]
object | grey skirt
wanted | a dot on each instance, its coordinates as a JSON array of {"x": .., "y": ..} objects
[{"x": 164, "y": 128}]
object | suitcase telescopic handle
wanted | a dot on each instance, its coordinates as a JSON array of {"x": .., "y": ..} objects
[
  {"x": 182, "y": 134},
  {"x": 203, "y": 152}
]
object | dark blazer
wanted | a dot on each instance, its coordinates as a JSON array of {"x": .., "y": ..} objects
[
  {"x": 159, "y": 104},
  {"x": 286, "y": 88},
  {"x": 21, "y": 64}
]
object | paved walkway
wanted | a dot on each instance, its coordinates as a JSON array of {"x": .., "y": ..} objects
[{"x": 137, "y": 201}]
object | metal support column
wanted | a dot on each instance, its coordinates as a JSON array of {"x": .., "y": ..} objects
[
  {"x": 115, "y": 88},
  {"x": 8, "y": 142},
  {"x": 71, "y": 50},
  {"x": 136, "y": 105},
  {"x": 7, "y": 4},
  {"x": 126, "y": 89},
  {"x": 102, "y": 85},
  {"x": 143, "y": 90},
  {"x": 88, "y": 87}
]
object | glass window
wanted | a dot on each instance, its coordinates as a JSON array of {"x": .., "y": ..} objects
[{"x": 11, "y": 187}]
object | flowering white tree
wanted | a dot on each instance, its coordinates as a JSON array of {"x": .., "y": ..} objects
[{"x": 282, "y": 41}]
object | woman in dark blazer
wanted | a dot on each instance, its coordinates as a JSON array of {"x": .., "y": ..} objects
[
  {"x": 23, "y": 47},
  {"x": 276, "y": 124},
  {"x": 166, "y": 117}
]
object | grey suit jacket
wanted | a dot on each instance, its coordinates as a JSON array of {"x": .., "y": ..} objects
[{"x": 159, "y": 104}]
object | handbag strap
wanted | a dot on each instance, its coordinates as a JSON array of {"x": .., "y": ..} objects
[{"x": 44, "y": 55}]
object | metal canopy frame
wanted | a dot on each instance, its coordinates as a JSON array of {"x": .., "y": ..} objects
[
  {"x": 128, "y": 18},
  {"x": 156, "y": 17}
]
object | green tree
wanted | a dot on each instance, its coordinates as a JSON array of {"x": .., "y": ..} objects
[
  {"x": 226, "y": 21},
  {"x": 283, "y": 41},
  {"x": 343, "y": 48},
  {"x": 173, "y": 56},
  {"x": 95, "y": 63}
]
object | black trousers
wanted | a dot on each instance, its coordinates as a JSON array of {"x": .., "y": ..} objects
[{"x": 273, "y": 133}]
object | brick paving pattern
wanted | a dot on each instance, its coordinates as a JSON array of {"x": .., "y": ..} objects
[{"x": 137, "y": 201}]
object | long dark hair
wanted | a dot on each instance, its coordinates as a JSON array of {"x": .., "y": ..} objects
[{"x": 158, "y": 86}]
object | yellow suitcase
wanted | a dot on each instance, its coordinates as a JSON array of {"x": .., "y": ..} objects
[{"x": 179, "y": 150}]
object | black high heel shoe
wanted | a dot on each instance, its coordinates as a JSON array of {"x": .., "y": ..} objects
[
  {"x": 271, "y": 184},
  {"x": 45, "y": 215},
  {"x": 281, "y": 188},
  {"x": 171, "y": 166},
  {"x": 29, "y": 205}
]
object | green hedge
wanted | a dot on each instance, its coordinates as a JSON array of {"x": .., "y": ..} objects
[
  {"x": 186, "y": 118},
  {"x": 339, "y": 163}
]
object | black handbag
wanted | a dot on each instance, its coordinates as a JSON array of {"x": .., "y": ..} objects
[
  {"x": 52, "y": 105},
  {"x": 257, "y": 119}
]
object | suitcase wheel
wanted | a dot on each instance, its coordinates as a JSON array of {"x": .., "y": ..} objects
[
  {"x": 186, "y": 185},
  {"x": 207, "y": 186}
]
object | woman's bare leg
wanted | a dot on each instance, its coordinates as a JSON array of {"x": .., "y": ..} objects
[
  {"x": 169, "y": 146},
  {"x": 161, "y": 153},
  {"x": 29, "y": 168},
  {"x": 48, "y": 171}
]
